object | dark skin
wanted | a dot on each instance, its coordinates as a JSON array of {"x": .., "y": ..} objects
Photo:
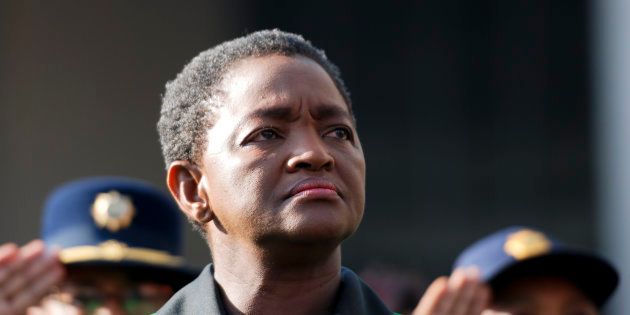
[
  {"x": 283, "y": 124},
  {"x": 280, "y": 185},
  {"x": 542, "y": 296}
]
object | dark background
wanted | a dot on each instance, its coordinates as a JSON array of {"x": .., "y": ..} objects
[{"x": 474, "y": 115}]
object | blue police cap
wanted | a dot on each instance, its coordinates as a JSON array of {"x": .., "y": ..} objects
[
  {"x": 117, "y": 222},
  {"x": 517, "y": 252}
]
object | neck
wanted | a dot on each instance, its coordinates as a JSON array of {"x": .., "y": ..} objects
[{"x": 297, "y": 279}]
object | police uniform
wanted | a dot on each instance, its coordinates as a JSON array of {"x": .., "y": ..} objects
[
  {"x": 518, "y": 252},
  {"x": 202, "y": 297},
  {"x": 118, "y": 223}
]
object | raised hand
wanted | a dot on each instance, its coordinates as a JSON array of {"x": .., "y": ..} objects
[
  {"x": 26, "y": 275},
  {"x": 460, "y": 294}
]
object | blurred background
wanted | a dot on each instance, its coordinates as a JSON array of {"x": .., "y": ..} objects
[{"x": 474, "y": 115}]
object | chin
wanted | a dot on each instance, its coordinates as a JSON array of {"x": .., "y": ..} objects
[
  {"x": 320, "y": 236},
  {"x": 321, "y": 229},
  {"x": 309, "y": 241},
  {"x": 316, "y": 223}
]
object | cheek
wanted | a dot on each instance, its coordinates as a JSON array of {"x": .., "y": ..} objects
[
  {"x": 243, "y": 184},
  {"x": 353, "y": 169},
  {"x": 259, "y": 175}
]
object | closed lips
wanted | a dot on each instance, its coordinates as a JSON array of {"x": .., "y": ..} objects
[{"x": 312, "y": 185}]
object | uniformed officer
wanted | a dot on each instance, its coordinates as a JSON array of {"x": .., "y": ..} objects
[
  {"x": 531, "y": 272},
  {"x": 116, "y": 240}
]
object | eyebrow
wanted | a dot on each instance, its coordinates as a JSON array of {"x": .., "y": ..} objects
[
  {"x": 286, "y": 113},
  {"x": 275, "y": 113}
]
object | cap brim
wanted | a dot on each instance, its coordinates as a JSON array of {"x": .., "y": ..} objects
[
  {"x": 595, "y": 277},
  {"x": 177, "y": 277}
]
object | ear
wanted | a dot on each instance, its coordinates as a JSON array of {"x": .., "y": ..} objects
[{"x": 184, "y": 180}]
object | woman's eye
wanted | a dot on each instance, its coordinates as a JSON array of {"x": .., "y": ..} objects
[
  {"x": 339, "y": 133},
  {"x": 266, "y": 134}
]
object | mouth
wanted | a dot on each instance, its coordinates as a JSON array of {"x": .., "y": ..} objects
[{"x": 314, "y": 188}]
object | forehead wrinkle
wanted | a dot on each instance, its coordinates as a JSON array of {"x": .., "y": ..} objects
[
  {"x": 291, "y": 113},
  {"x": 275, "y": 113},
  {"x": 282, "y": 112}
]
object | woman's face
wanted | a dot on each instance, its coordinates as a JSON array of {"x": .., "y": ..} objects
[{"x": 283, "y": 161}]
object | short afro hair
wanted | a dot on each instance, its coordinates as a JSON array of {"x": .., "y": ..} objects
[{"x": 190, "y": 102}]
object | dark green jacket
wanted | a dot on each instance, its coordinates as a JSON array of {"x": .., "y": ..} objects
[{"x": 202, "y": 297}]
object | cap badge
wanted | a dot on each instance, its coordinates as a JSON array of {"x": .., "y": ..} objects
[
  {"x": 526, "y": 243},
  {"x": 112, "y": 211}
]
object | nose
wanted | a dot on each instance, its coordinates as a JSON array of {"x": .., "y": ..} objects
[{"x": 310, "y": 153}]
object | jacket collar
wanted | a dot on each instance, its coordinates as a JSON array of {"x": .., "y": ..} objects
[{"x": 202, "y": 296}]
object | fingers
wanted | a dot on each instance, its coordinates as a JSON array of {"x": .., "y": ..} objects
[
  {"x": 26, "y": 275},
  {"x": 433, "y": 297},
  {"x": 481, "y": 300},
  {"x": 37, "y": 290},
  {"x": 8, "y": 253},
  {"x": 30, "y": 261},
  {"x": 462, "y": 284},
  {"x": 473, "y": 294},
  {"x": 461, "y": 294}
]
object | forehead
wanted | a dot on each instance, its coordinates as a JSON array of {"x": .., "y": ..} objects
[{"x": 272, "y": 80}]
